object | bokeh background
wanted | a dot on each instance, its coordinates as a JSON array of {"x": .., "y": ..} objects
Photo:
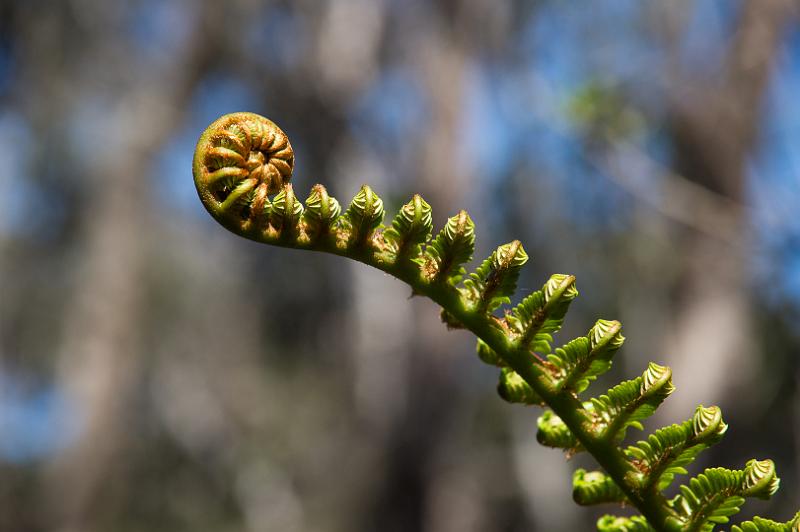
[{"x": 158, "y": 373}]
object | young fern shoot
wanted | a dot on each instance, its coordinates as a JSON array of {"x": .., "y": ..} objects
[{"x": 243, "y": 159}]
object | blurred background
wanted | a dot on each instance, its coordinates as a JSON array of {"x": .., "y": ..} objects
[{"x": 158, "y": 373}]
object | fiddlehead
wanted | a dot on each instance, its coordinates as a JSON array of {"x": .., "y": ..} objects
[
  {"x": 243, "y": 159},
  {"x": 240, "y": 160}
]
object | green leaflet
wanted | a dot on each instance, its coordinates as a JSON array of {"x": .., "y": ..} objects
[
  {"x": 554, "y": 433},
  {"x": 495, "y": 280},
  {"x": 595, "y": 487},
  {"x": 258, "y": 209},
  {"x": 286, "y": 212},
  {"x": 628, "y": 403},
  {"x": 451, "y": 248},
  {"x": 760, "y": 480},
  {"x": 623, "y": 406},
  {"x": 321, "y": 211},
  {"x": 537, "y": 317},
  {"x": 514, "y": 389},
  {"x": 582, "y": 360},
  {"x": 541, "y": 313},
  {"x": 487, "y": 354},
  {"x": 713, "y": 496},
  {"x": 411, "y": 227},
  {"x": 610, "y": 523},
  {"x": 759, "y": 524},
  {"x": 363, "y": 216},
  {"x": 668, "y": 450}
]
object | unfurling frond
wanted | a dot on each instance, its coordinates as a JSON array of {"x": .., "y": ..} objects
[
  {"x": 716, "y": 494},
  {"x": 668, "y": 450},
  {"x": 595, "y": 487},
  {"x": 451, "y": 248},
  {"x": 488, "y": 355},
  {"x": 363, "y": 216},
  {"x": 495, "y": 280},
  {"x": 553, "y": 432},
  {"x": 514, "y": 389},
  {"x": 627, "y": 404},
  {"x": 610, "y": 523},
  {"x": 286, "y": 212},
  {"x": 411, "y": 227},
  {"x": 759, "y": 524},
  {"x": 242, "y": 160},
  {"x": 582, "y": 360},
  {"x": 536, "y": 318},
  {"x": 541, "y": 313},
  {"x": 321, "y": 212}
]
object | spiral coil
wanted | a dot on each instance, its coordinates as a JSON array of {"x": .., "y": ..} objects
[{"x": 241, "y": 159}]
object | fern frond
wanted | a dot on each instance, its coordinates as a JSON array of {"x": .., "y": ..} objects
[
  {"x": 759, "y": 524},
  {"x": 537, "y": 317},
  {"x": 495, "y": 280},
  {"x": 451, "y": 248},
  {"x": 488, "y": 355},
  {"x": 411, "y": 227},
  {"x": 668, "y": 450},
  {"x": 610, "y": 523},
  {"x": 553, "y": 432},
  {"x": 243, "y": 158},
  {"x": 595, "y": 487},
  {"x": 628, "y": 403},
  {"x": 582, "y": 360},
  {"x": 514, "y": 389},
  {"x": 286, "y": 212},
  {"x": 713, "y": 496},
  {"x": 363, "y": 216},
  {"x": 623, "y": 406},
  {"x": 541, "y": 313},
  {"x": 321, "y": 211}
]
